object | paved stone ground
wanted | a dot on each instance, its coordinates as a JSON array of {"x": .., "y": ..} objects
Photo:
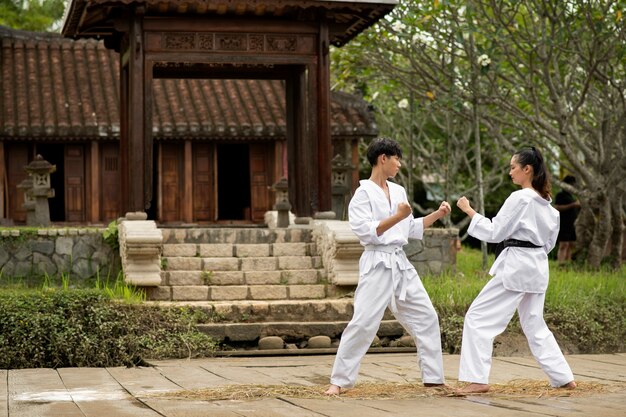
[{"x": 104, "y": 392}]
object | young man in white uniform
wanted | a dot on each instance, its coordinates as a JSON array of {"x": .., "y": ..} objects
[
  {"x": 381, "y": 217},
  {"x": 529, "y": 226}
]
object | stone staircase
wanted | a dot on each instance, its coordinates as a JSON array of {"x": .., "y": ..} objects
[
  {"x": 256, "y": 283},
  {"x": 231, "y": 264},
  {"x": 291, "y": 285}
]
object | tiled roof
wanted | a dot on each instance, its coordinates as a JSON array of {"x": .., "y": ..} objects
[
  {"x": 56, "y": 88},
  {"x": 90, "y": 18}
]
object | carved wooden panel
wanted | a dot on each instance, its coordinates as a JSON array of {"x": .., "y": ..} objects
[{"x": 216, "y": 42}]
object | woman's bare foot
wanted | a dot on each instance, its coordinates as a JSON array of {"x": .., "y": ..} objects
[
  {"x": 333, "y": 390},
  {"x": 474, "y": 388},
  {"x": 569, "y": 385}
]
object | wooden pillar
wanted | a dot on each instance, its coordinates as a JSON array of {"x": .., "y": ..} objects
[
  {"x": 96, "y": 191},
  {"x": 324, "y": 143},
  {"x": 3, "y": 183},
  {"x": 160, "y": 181},
  {"x": 136, "y": 140},
  {"x": 312, "y": 136},
  {"x": 299, "y": 150},
  {"x": 124, "y": 140},
  {"x": 187, "y": 203}
]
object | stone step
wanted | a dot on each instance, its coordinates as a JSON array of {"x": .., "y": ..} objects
[
  {"x": 284, "y": 277},
  {"x": 236, "y": 292},
  {"x": 260, "y": 311},
  {"x": 265, "y": 263},
  {"x": 235, "y": 235},
  {"x": 240, "y": 250},
  {"x": 289, "y": 330}
]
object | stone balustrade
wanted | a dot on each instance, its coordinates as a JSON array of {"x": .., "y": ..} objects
[
  {"x": 141, "y": 245},
  {"x": 340, "y": 250}
]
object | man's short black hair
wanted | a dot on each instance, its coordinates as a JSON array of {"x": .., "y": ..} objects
[{"x": 382, "y": 146}]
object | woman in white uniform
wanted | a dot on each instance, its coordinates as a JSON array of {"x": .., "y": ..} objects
[
  {"x": 381, "y": 217},
  {"x": 526, "y": 228}
]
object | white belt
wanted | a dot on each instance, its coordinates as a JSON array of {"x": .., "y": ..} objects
[{"x": 398, "y": 278}]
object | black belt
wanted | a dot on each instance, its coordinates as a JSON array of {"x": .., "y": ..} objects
[{"x": 514, "y": 242}]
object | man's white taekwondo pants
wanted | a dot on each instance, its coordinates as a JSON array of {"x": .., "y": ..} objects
[
  {"x": 416, "y": 313},
  {"x": 489, "y": 315}
]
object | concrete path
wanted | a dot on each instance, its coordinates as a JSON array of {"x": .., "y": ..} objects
[{"x": 147, "y": 391}]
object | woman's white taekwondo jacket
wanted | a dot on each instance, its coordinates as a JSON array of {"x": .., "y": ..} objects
[{"x": 525, "y": 215}]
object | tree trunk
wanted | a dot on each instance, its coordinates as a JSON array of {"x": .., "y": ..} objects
[
  {"x": 617, "y": 234},
  {"x": 585, "y": 224},
  {"x": 601, "y": 233}
]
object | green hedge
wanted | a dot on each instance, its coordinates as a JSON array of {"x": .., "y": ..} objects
[
  {"x": 584, "y": 308},
  {"x": 66, "y": 328},
  {"x": 601, "y": 329}
]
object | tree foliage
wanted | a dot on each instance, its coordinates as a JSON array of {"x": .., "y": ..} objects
[
  {"x": 462, "y": 84},
  {"x": 33, "y": 15}
]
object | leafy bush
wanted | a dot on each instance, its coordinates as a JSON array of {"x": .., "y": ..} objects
[
  {"x": 58, "y": 328},
  {"x": 111, "y": 235}
]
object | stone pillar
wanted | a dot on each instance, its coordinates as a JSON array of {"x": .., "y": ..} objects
[
  {"x": 141, "y": 245},
  {"x": 39, "y": 171},
  {"x": 282, "y": 205},
  {"x": 340, "y": 250}
]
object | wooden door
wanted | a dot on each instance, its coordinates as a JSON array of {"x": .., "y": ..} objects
[
  {"x": 171, "y": 180},
  {"x": 203, "y": 180},
  {"x": 110, "y": 196},
  {"x": 74, "y": 163},
  {"x": 16, "y": 159},
  {"x": 260, "y": 169}
]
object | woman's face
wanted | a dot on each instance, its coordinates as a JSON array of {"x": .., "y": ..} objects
[{"x": 519, "y": 175}]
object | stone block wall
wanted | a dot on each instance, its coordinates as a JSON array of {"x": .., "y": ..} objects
[
  {"x": 80, "y": 253},
  {"x": 435, "y": 253}
]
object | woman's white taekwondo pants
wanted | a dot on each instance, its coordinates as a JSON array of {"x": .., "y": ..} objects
[
  {"x": 416, "y": 313},
  {"x": 489, "y": 315}
]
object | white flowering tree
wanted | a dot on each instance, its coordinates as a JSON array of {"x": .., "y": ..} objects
[{"x": 465, "y": 83}]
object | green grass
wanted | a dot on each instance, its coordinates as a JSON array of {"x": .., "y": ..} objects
[
  {"x": 569, "y": 286},
  {"x": 114, "y": 288},
  {"x": 586, "y": 308}
]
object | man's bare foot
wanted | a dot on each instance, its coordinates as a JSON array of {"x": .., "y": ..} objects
[
  {"x": 569, "y": 385},
  {"x": 333, "y": 390},
  {"x": 474, "y": 388}
]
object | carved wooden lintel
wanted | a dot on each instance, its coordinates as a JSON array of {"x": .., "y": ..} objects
[{"x": 299, "y": 44}]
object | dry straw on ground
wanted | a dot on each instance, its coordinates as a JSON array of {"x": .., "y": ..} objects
[{"x": 379, "y": 391}]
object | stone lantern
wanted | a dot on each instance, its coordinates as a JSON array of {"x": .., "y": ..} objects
[
  {"x": 39, "y": 171},
  {"x": 282, "y": 205},
  {"x": 341, "y": 185}
]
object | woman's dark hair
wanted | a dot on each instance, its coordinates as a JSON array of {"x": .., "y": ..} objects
[
  {"x": 541, "y": 177},
  {"x": 382, "y": 146}
]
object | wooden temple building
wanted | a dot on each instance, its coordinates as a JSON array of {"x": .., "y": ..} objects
[{"x": 188, "y": 110}]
